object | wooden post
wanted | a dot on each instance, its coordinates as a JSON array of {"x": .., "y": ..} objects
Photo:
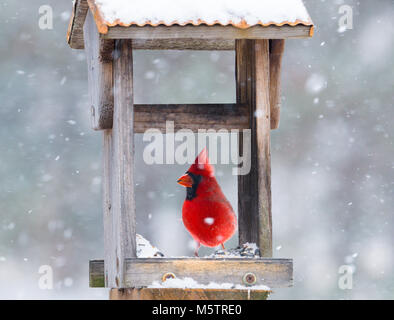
[
  {"x": 118, "y": 185},
  {"x": 99, "y": 57},
  {"x": 75, "y": 36},
  {"x": 254, "y": 189},
  {"x": 277, "y": 47}
]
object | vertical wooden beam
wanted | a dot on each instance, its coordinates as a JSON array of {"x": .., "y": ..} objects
[
  {"x": 277, "y": 47},
  {"x": 254, "y": 189},
  {"x": 263, "y": 141},
  {"x": 109, "y": 252},
  {"x": 99, "y": 57},
  {"x": 75, "y": 27},
  {"x": 245, "y": 57},
  {"x": 119, "y": 203}
]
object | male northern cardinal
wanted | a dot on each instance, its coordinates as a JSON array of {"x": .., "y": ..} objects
[{"x": 206, "y": 212}]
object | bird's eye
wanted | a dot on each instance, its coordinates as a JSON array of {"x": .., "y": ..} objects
[
  {"x": 191, "y": 175},
  {"x": 195, "y": 177}
]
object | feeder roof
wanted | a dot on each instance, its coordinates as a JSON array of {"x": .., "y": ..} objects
[{"x": 241, "y": 14}]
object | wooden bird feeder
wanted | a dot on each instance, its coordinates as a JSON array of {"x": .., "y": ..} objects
[{"x": 109, "y": 31}]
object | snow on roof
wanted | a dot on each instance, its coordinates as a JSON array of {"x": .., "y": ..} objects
[{"x": 238, "y": 13}]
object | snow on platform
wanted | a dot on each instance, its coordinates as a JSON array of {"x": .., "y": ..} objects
[
  {"x": 189, "y": 283},
  {"x": 248, "y": 250},
  {"x": 145, "y": 249}
]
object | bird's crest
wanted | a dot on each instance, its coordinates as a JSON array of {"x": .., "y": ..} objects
[{"x": 202, "y": 166}]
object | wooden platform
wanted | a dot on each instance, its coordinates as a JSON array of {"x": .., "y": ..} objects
[
  {"x": 140, "y": 273},
  {"x": 187, "y": 294}
]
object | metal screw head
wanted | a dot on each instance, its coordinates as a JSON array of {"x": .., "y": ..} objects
[
  {"x": 249, "y": 279},
  {"x": 168, "y": 275}
]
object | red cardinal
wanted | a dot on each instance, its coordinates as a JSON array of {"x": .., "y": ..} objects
[{"x": 206, "y": 212}]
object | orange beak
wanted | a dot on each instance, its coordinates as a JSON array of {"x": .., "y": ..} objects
[{"x": 185, "y": 181}]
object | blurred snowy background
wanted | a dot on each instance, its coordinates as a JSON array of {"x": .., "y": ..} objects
[{"x": 333, "y": 156}]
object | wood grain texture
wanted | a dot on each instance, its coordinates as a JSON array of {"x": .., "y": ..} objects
[
  {"x": 139, "y": 272},
  {"x": 99, "y": 57},
  {"x": 277, "y": 48},
  {"x": 183, "y": 44},
  {"x": 123, "y": 194},
  {"x": 254, "y": 189},
  {"x": 187, "y": 294},
  {"x": 109, "y": 273},
  {"x": 75, "y": 36},
  {"x": 192, "y": 117},
  {"x": 217, "y": 32},
  {"x": 119, "y": 196}
]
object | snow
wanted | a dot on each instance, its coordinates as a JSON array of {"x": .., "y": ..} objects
[
  {"x": 65, "y": 15},
  {"x": 315, "y": 83},
  {"x": 68, "y": 282},
  {"x": 247, "y": 250},
  {"x": 190, "y": 283},
  {"x": 145, "y": 249},
  {"x": 11, "y": 226},
  {"x": 68, "y": 233},
  {"x": 63, "y": 81},
  {"x": 185, "y": 11}
]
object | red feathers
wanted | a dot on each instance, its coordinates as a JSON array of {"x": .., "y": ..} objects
[
  {"x": 206, "y": 212},
  {"x": 202, "y": 166}
]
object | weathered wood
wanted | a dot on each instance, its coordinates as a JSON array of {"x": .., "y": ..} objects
[
  {"x": 99, "y": 57},
  {"x": 187, "y": 294},
  {"x": 277, "y": 48},
  {"x": 183, "y": 44},
  {"x": 263, "y": 140},
  {"x": 209, "y": 32},
  {"x": 254, "y": 189},
  {"x": 139, "y": 272},
  {"x": 119, "y": 199},
  {"x": 193, "y": 117},
  {"x": 109, "y": 253},
  {"x": 263, "y": 132},
  {"x": 75, "y": 36}
]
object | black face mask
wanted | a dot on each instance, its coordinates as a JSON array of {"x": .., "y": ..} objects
[{"x": 191, "y": 192}]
